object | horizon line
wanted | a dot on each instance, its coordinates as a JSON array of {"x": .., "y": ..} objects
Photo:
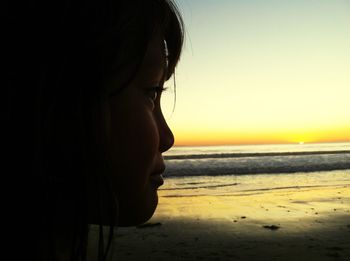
[{"x": 254, "y": 144}]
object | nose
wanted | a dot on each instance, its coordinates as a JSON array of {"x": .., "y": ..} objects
[{"x": 166, "y": 137}]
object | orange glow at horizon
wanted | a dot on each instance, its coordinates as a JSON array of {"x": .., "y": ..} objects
[{"x": 187, "y": 138}]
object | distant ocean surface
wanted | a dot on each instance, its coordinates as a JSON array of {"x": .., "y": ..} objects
[
  {"x": 245, "y": 170},
  {"x": 256, "y": 159}
]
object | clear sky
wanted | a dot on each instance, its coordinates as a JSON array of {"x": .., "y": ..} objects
[{"x": 262, "y": 71}]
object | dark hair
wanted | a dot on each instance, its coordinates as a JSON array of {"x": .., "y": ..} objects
[{"x": 59, "y": 57}]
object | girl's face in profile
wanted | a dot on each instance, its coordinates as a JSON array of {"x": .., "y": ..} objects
[{"x": 138, "y": 136}]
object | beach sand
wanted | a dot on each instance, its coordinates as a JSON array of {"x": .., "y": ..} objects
[{"x": 282, "y": 224}]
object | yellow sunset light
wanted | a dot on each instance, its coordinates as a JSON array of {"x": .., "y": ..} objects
[{"x": 262, "y": 79}]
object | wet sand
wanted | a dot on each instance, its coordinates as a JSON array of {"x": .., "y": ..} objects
[{"x": 283, "y": 224}]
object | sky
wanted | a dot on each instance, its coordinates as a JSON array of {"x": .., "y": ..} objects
[{"x": 261, "y": 72}]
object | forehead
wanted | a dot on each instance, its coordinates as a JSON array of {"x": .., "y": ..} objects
[
  {"x": 152, "y": 68},
  {"x": 155, "y": 57}
]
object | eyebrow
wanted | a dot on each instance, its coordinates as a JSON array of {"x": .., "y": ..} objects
[{"x": 155, "y": 71}]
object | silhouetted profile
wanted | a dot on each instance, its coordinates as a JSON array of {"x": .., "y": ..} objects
[{"x": 86, "y": 131}]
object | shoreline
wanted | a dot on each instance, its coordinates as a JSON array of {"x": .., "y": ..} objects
[{"x": 290, "y": 224}]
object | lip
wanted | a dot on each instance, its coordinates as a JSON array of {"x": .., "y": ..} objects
[{"x": 156, "y": 177}]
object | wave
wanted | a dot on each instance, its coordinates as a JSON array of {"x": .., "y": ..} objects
[
  {"x": 258, "y": 165},
  {"x": 253, "y": 170},
  {"x": 255, "y": 154}
]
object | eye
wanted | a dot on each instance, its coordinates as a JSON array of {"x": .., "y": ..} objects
[{"x": 154, "y": 92}]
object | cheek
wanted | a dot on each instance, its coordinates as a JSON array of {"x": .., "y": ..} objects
[{"x": 134, "y": 148}]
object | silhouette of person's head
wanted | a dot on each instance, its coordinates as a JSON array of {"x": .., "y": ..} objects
[{"x": 84, "y": 87}]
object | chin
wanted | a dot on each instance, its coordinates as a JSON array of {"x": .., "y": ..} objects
[{"x": 133, "y": 216}]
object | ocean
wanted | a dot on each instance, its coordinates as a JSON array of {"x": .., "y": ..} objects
[
  {"x": 221, "y": 170},
  {"x": 263, "y": 202}
]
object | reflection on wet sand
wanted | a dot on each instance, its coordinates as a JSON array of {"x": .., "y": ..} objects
[{"x": 292, "y": 223}]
